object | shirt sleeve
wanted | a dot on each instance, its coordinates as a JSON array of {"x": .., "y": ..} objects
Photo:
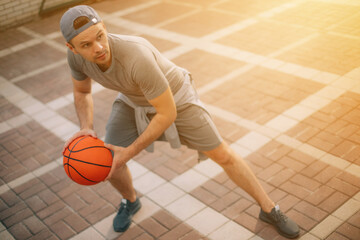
[
  {"x": 148, "y": 75},
  {"x": 75, "y": 66}
]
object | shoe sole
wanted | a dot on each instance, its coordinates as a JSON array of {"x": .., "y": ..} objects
[
  {"x": 265, "y": 219},
  {"x": 127, "y": 226}
]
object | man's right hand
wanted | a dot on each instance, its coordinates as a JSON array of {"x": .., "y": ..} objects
[{"x": 82, "y": 132}]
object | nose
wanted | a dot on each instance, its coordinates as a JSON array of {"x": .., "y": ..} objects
[{"x": 98, "y": 47}]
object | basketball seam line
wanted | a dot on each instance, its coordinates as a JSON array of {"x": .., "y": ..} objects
[
  {"x": 80, "y": 173},
  {"x": 78, "y": 160}
]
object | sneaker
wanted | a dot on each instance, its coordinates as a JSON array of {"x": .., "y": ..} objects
[
  {"x": 123, "y": 218},
  {"x": 284, "y": 225}
]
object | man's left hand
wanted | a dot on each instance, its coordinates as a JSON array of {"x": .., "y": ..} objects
[{"x": 121, "y": 157}]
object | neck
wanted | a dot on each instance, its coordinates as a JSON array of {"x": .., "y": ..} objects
[{"x": 105, "y": 66}]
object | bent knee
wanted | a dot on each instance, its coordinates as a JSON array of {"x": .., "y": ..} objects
[{"x": 222, "y": 155}]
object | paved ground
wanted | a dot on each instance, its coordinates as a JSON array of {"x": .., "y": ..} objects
[{"x": 280, "y": 78}]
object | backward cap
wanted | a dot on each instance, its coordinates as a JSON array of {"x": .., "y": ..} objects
[{"x": 67, "y": 20}]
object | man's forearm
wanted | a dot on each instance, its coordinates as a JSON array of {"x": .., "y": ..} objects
[
  {"x": 84, "y": 109},
  {"x": 156, "y": 127}
]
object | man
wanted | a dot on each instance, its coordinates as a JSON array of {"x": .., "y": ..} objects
[{"x": 156, "y": 102}]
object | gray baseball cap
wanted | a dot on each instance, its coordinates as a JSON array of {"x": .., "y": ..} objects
[{"x": 67, "y": 20}]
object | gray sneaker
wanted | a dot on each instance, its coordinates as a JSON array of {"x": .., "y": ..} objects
[
  {"x": 284, "y": 225},
  {"x": 122, "y": 220}
]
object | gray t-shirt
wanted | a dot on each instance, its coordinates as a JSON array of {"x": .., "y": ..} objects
[{"x": 138, "y": 70}]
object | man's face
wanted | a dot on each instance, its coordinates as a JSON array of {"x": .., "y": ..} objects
[{"x": 93, "y": 45}]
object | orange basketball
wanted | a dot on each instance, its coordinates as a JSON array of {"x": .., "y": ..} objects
[{"x": 87, "y": 161}]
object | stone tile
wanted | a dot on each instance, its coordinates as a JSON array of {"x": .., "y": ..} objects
[
  {"x": 105, "y": 228},
  {"x": 333, "y": 202},
  {"x": 270, "y": 171},
  {"x": 208, "y": 168},
  {"x": 336, "y": 236},
  {"x": 160, "y": 44},
  {"x": 166, "y": 219},
  {"x": 132, "y": 233},
  {"x": 322, "y": 193},
  {"x": 147, "y": 182},
  {"x": 177, "y": 232},
  {"x": 317, "y": 50},
  {"x": 354, "y": 220},
  {"x": 251, "y": 223},
  {"x": 225, "y": 201},
  {"x": 302, "y": 220},
  {"x": 347, "y": 209},
  {"x": 328, "y": 14},
  {"x": 311, "y": 211},
  {"x": 281, "y": 123},
  {"x": 8, "y": 110},
  {"x": 189, "y": 180},
  {"x": 248, "y": 8},
  {"x": 288, "y": 202},
  {"x": 89, "y": 233},
  {"x": 153, "y": 227},
  {"x": 349, "y": 26},
  {"x": 19, "y": 231},
  {"x": 206, "y": 67},
  {"x": 215, "y": 188},
  {"x": 343, "y": 187},
  {"x": 295, "y": 189},
  {"x": 136, "y": 169},
  {"x": 326, "y": 227},
  {"x": 157, "y": 13},
  {"x": 28, "y": 59},
  {"x": 46, "y": 25},
  {"x": 349, "y": 231},
  {"x": 116, "y": 5},
  {"x": 204, "y": 195},
  {"x": 207, "y": 221},
  {"x": 305, "y": 182},
  {"x": 165, "y": 194},
  {"x": 148, "y": 209},
  {"x": 202, "y": 23},
  {"x": 185, "y": 207},
  {"x": 12, "y": 37},
  {"x": 198, "y": 3},
  {"x": 6, "y": 235},
  {"x": 264, "y": 37},
  {"x": 231, "y": 230}
]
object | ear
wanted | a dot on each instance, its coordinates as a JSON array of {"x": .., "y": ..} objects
[{"x": 71, "y": 47}]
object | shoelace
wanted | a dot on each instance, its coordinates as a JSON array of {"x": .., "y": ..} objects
[{"x": 279, "y": 216}]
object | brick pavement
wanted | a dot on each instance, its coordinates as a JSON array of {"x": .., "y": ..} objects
[{"x": 280, "y": 79}]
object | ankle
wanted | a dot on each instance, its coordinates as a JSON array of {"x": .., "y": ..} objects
[{"x": 268, "y": 207}]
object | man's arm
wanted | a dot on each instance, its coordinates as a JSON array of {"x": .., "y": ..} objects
[
  {"x": 164, "y": 117},
  {"x": 83, "y": 102},
  {"x": 84, "y": 108}
]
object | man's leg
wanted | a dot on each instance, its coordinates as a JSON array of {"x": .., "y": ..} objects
[
  {"x": 121, "y": 131},
  {"x": 240, "y": 173},
  {"x": 122, "y": 181}
]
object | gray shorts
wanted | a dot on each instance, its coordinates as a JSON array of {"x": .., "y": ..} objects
[{"x": 195, "y": 127}]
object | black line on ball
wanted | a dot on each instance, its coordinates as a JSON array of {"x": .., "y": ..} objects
[
  {"x": 78, "y": 173},
  {"x": 96, "y": 164},
  {"x": 87, "y": 148},
  {"x": 71, "y": 151}
]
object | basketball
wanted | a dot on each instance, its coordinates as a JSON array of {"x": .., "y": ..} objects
[{"x": 87, "y": 161}]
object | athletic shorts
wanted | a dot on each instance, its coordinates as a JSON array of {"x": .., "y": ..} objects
[{"x": 195, "y": 127}]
